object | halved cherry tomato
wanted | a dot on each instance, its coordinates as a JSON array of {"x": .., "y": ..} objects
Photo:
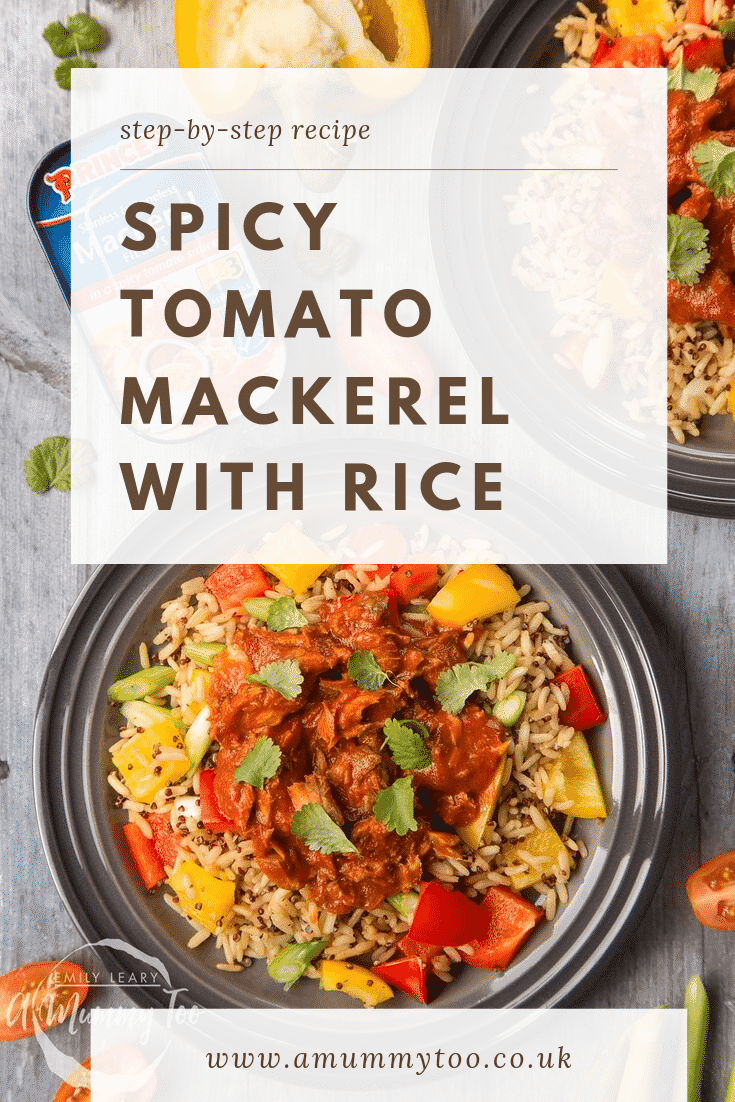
[
  {"x": 408, "y": 974},
  {"x": 444, "y": 917},
  {"x": 166, "y": 841},
  {"x": 711, "y": 892},
  {"x": 582, "y": 711},
  {"x": 145, "y": 856},
  {"x": 77, "y": 1081},
  {"x": 46, "y": 994},
  {"x": 413, "y": 580},
  {"x": 644, "y": 51},
  {"x": 705, "y": 51},
  {"x": 212, "y": 817},
  {"x": 512, "y": 920},
  {"x": 233, "y": 583}
]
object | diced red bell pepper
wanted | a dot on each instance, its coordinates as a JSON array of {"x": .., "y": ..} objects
[
  {"x": 444, "y": 917},
  {"x": 695, "y": 12},
  {"x": 705, "y": 51},
  {"x": 233, "y": 583},
  {"x": 644, "y": 51},
  {"x": 413, "y": 580},
  {"x": 512, "y": 921},
  {"x": 167, "y": 842},
  {"x": 143, "y": 852},
  {"x": 212, "y": 817},
  {"x": 412, "y": 948},
  {"x": 408, "y": 974},
  {"x": 582, "y": 711}
]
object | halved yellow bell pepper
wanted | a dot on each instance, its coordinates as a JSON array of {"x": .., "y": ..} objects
[
  {"x": 203, "y": 897},
  {"x": 360, "y": 983},
  {"x": 545, "y": 845},
  {"x": 574, "y": 777},
  {"x": 140, "y": 766},
  {"x": 632, "y": 17},
  {"x": 472, "y": 834},
  {"x": 395, "y": 30},
  {"x": 477, "y": 592}
]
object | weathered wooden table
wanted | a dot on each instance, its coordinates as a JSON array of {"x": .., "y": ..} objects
[{"x": 691, "y": 600}]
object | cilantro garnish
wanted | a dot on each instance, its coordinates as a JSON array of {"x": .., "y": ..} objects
[
  {"x": 405, "y": 740},
  {"x": 455, "y": 685},
  {"x": 81, "y": 32},
  {"x": 284, "y": 614},
  {"x": 314, "y": 827},
  {"x": 364, "y": 670},
  {"x": 260, "y": 763},
  {"x": 49, "y": 464},
  {"x": 285, "y": 677},
  {"x": 688, "y": 255},
  {"x": 702, "y": 82},
  {"x": 716, "y": 163},
  {"x": 394, "y": 807}
]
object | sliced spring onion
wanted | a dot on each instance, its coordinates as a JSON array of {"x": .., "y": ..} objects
[
  {"x": 696, "y": 1005},
  {"x": 139, "y": 713},
  {"x": 509, "y": 709},
  {"x": 258, "y": 607},
  {"x": 404, "y": 903},
  {"x": 204, "y": 653},
  {"x": 197, "y": 740},
  {"x": 290, "y": 963},
  {"x": 501, "y": 664},
  {"x": 143, "y": 683}
]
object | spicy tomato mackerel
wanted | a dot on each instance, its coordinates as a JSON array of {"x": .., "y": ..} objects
[
  {"x": 331, "y": 741},
  {"x": 691, "y": 123}
]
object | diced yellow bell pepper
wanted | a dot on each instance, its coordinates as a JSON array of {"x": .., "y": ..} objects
[
  {"x": 615, "y": 289},
  {"x": 472, "y": 834},
  {"x": 203, "y": 897},
  {"x": 298, "y": 578},
  {"x": 731, "y": 401},
  {"x": 477, "y": 592},
  {"x": 137, "y": 763},
  {"x": 360, "y": 983},
  {"x": 575, "y": 778},
  {"x": 545, "y": 845},
  {"x": 632, "y": 17}
]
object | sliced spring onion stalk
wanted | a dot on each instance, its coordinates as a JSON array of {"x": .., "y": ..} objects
[
  {"x": 197, "y": 740},
  {"x": 204, "y": 653},
  {"x": 696, "y": 1005},
  {"x": 510, "y": 708},
  {"x": 143, "y": 683},
  {"x": 404, "y": 903},
  {"x": 139, "y": 713},
  {"x": 258, "y": 607},
  {"x": 501, "y": 664},
  {"x": 290, "y": 963}
]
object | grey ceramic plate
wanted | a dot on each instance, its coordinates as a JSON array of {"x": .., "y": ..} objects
[
  {"x": 513, "y": 35},
  {"x": 635, "y": 752}
]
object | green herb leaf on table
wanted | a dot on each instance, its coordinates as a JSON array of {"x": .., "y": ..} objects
[
  {"x": 702, "y": 82},
  {"x": 456, "y": 685},
  {"x": 260, "y": 763},
  {"x": 283, "y": 614},
  {"x": 49, "y": 465},
  {"x": 63, "y": 72},
  {"x": 285, "y": 677},
  {"x": 394, "y": 807},
  {"x": 688, "y": 254},
  {"x": 320, "y": 833},
  {"x": 81, "y": 32},
  {"x": 716, "y": 163},
  {"x": 405, "y": 740},
  {"x": 364, "y": 670}
]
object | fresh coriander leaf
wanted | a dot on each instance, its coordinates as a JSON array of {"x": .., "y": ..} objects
[
  {"x": 406, "y": 743},
  {"x": 285, "y": 677},
  {"x": 59, "y": 39},
  {"x": 49, "y": 464},
  {"x": 260, "y": 763},
  {"x": 284, "y": 614},
  {"x": 455, "y": 685},
  {"x": 314, "y": 827},
  {"x": 364, "y": 670},
  {"x": 726, "y": 27},
  {"x": 702, "y": 83},
  {"x": 716, "y": 163},
  {"x": 63, "y": 72},
  {"x": 87, "y": 33},
  {"x": 394, "y": 807},
  {"x": 500, "y": 664},
  {"x": 688, "y": 255}
]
